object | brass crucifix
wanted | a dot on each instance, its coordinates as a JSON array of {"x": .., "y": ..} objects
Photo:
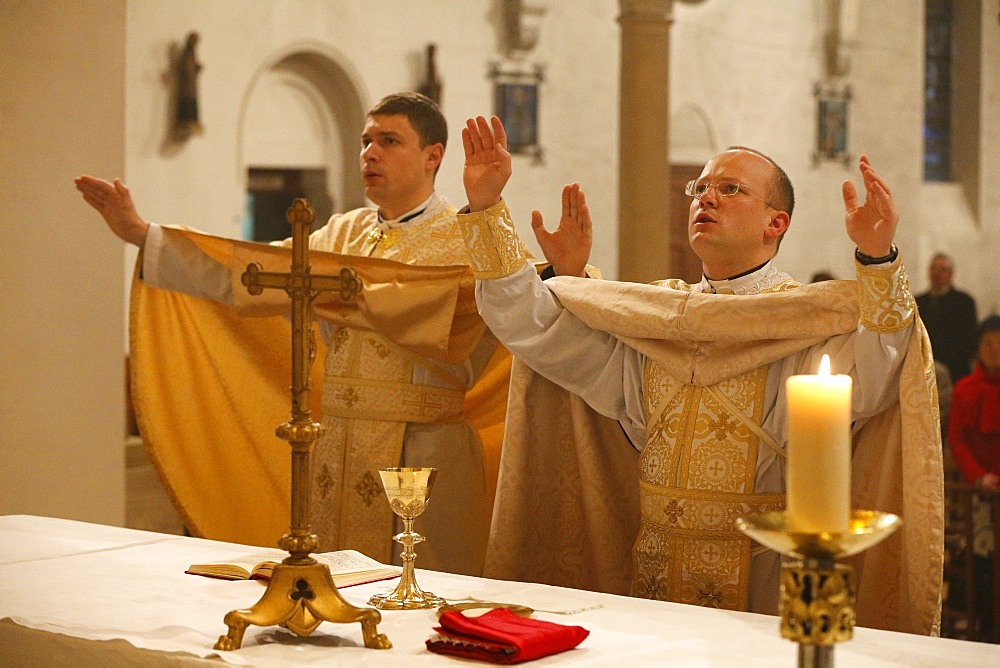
[{"x": 301, "y": 593}]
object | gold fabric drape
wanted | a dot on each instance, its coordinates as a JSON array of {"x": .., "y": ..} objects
[
  {"x": 210, "y": 385},
  {"x": 556, "y": 446}
]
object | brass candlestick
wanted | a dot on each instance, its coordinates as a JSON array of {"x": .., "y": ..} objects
[
  {"x": 301, "y": 593},
  {"x": 408, "y": 491},
  {"x": 818, "y": 594}
]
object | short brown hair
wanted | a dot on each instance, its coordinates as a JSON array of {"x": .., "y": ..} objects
[{"x": 422, "y": 112}]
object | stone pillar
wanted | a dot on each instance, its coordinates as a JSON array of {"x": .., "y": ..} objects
[{"x": 643, "y": 142}]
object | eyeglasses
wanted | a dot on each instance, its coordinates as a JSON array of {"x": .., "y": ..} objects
[{"x": 697, "y": 189}]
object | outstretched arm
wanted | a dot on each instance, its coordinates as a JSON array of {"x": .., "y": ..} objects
[
  {"x": 568, "y": 248},
  {"x": 114, "y": 203},
  {"x": 872, "y": 225},
  {"x": 487, "y": 161}
]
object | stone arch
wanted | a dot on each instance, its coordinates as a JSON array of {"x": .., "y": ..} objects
[
  {"x": 692, "y": 138},
  {"x": 304, "y": 107}
]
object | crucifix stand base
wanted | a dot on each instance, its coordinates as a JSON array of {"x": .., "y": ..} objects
[{"x": 299, "y": 597}]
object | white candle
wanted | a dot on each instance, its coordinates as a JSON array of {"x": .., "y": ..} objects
[{"x": 819, "y": 451}]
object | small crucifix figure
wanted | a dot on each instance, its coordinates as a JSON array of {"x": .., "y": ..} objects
[{"x": 301, "y": 593}]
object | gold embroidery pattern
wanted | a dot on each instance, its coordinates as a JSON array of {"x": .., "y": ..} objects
[
  {"x": 358, "y": 439},
  {"x": 698, "y": 470},
  {"x": 379, "y": 348},
  {"x": 494, "y": 248},
  {"x": 347, "y": 397},
  {"x": 672, "y": 512},
  {"x": 389, "y": 238},
  {"x": 395, "y": 400},
  {"x": 694, "y": 555},
  {"x": 324, "y": 481},
  {"x": 338, "y": 340},
  {"x": 884, "y": 297},
  {"x": 432, "y": 241},
  {"x": 368, "y": 488},
  {"x": 710, "y": 595},
  {"x": 773, "y": 280}
]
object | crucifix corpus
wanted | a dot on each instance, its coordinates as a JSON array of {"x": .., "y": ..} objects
[{"x": 301, "y": 593}]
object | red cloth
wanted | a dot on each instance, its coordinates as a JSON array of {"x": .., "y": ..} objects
[
  {"x": 500, "y": 636},
  {"x": 974, "y": 424}
]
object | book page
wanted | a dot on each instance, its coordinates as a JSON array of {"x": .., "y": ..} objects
[
  {"x": 346, "y": 566},
  {"x": 348, "y": 561}
]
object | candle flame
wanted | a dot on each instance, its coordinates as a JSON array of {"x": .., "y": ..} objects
[{"x": 824, "y": 366}]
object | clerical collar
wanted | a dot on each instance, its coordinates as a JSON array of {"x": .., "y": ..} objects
[
  {"x": 406, "y": 217},
  {"x": 740, "y": 283}
]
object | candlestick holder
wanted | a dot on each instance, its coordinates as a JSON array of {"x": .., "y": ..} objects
[{"x": 817, "y": 594}]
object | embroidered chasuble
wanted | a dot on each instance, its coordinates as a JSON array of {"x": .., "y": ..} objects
[
  {"x": 660, "y": 523},
  {"x": 210, "y": 385},
  {"x": 368, "y": 397},
  {"x": 696, "y": 477}
]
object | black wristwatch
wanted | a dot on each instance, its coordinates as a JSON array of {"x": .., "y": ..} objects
[{"x": 868, "y": 259}]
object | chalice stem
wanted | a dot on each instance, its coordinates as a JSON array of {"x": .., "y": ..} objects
[{"x": 408, "y": 539}]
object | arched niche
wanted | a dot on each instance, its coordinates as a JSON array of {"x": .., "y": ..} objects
[
  {"x": 692, "y": 139},
  {"x": 303, "y": 111}
]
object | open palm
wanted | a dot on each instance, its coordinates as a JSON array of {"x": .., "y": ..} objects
[
  {"x": 567, "y": 248},
  {"x": 872, "y": 225},
  {"x": 487, "y": 162}
]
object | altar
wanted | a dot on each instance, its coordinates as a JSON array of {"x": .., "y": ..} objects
[{"x": 74, "y": 593}]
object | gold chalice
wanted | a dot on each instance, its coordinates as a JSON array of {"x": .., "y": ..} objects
[{"x": 408, "y": 491}]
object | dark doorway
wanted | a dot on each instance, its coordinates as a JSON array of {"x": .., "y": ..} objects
[{"x": 271, "y": 191}]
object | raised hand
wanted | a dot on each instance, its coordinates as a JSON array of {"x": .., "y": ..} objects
[
  {"x": 568, "y": 248},
  {"x": 487, "y": 161},
  {"x": 872, "y": 225},
  {"x": 114, "y": 203}
]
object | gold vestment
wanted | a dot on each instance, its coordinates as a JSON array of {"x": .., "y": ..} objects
[
  {"x": 210, "y": 386},
  {"x": 555, "y": 447}
]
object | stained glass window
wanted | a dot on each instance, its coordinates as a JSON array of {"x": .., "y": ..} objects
[{"x": 937, "y": 91}]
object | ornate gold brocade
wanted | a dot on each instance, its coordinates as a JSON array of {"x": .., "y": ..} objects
[
  {"x": 697, "y": 476},
  {"x": 896, "y": 463},
  {"x": 887, "y": 305},
  {"x": 494, "y": 248},
  {"x": 368, "y": 397}
]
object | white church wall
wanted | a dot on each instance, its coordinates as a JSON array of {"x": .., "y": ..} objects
[
  {"x": 752, "y": 67},
  {"x": 62, "y": 394},
  {"x": 383, "y": 42},
  {"x": 749, "y": 68}
]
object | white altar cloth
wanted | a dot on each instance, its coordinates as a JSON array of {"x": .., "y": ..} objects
[{"x": 73, "y": 593}]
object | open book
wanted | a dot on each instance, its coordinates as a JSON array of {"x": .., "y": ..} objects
[{"x": 348, "y": 567}]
